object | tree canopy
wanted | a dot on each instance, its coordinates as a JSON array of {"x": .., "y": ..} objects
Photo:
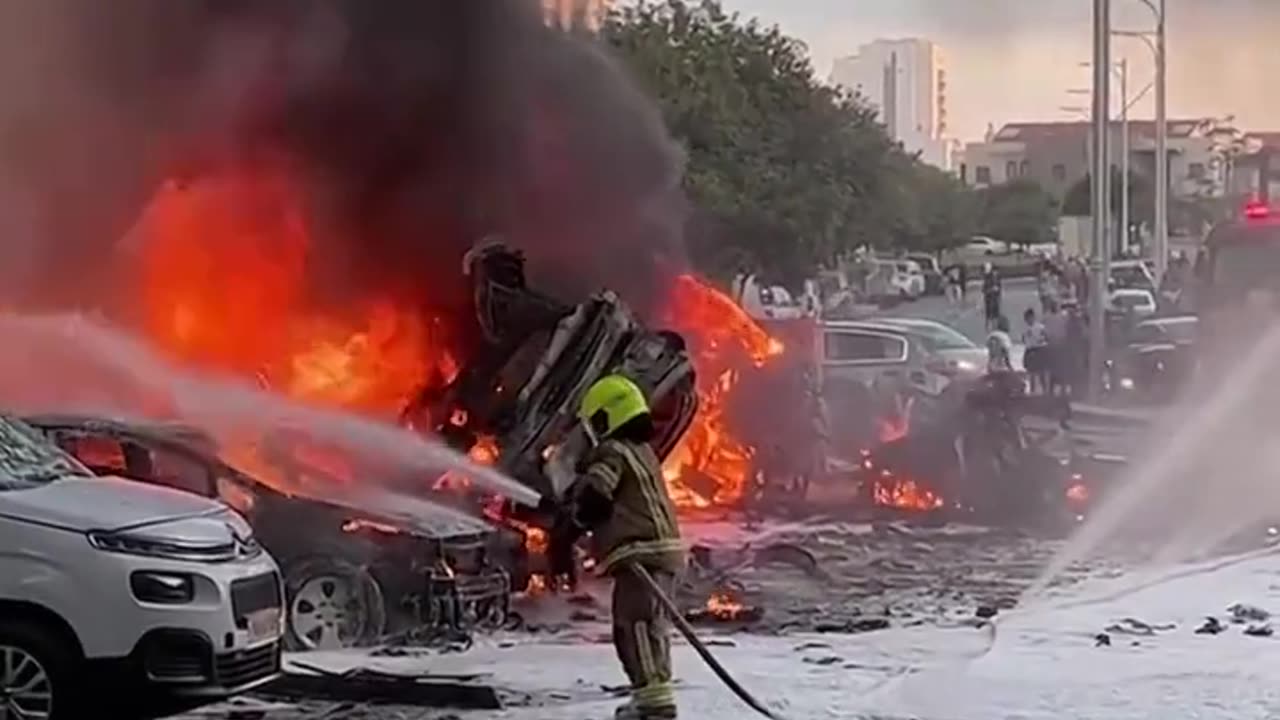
[
  {"x": 785, "y": 173},
  {"x": 1019, "y": 212},
  {"x": 1141, "y": 197}
]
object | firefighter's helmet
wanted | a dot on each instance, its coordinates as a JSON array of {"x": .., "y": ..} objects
[{"x": 610, "y": 403}]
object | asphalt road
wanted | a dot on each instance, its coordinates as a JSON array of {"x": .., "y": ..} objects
[{"x": 1019, "y": 294}]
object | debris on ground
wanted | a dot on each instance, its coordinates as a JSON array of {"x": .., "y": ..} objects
[
  {"x": 1211, "y": 626},
  {"x": 1263, "y": 630},
  {"x": 860, "y": 625},
  {"x": 1102, "y": 640},
  {"x": 1134, "y": 626},
  {"x": 1241, "y": 614},
  {"x": 365, "y": 685}
]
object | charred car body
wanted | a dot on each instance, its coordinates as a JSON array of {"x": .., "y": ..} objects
[
  {"x": 359, "y": 563},
  {"x": 979, "y": 460},
  {"x": 538, "y": 358}
]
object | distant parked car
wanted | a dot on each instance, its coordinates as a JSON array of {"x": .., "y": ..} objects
[
  {"x": 933, "y": 284},
  {"x": 983, "y": 245},
  {"x": 1132, "y": 274},
  {"x": 1140, "y": 303},
  {"x": 907, "y": 279}
]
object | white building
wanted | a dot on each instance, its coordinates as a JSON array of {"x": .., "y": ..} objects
[{"x": 906, "y": 81}]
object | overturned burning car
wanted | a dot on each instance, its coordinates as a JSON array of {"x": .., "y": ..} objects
[
  {"x": 360, "y": 563},
  {"x": 518, "y": 400}
]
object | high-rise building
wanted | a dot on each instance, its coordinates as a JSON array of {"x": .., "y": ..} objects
[
  {"x": 906, "y": 81},
  {"x": 576, "y": 14}
]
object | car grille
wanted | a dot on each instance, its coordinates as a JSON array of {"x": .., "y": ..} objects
[
  {"x": 245, "y": 666},
  {"x": 251, "y": 595},
  {"x": 176, "y": 658}
]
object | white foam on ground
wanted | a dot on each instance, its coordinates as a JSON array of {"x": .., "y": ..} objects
[{"x": 1043, "y": 665}]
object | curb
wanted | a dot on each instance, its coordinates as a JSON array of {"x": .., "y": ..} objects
[{"x": 1098, "y": 415}]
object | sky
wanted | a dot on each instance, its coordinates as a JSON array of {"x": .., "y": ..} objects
[{"x": 1011, "y": 60}]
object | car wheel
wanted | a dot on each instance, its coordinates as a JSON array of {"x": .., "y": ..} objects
[
  {"x": 333, "y": 604},
  {"x": 38, "y": 666}
]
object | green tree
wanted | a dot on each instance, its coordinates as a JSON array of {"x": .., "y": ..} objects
[
  {"x": 1019, "y": 212},
  {"x": 1078, "y": 200},
  {"x": 936, "y": 210},
  {"x": 785, "y": 173}
]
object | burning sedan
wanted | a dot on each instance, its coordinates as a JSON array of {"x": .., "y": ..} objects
[
  {"x": 976, "y": 459},
  {"x": 360, "y": 563}
]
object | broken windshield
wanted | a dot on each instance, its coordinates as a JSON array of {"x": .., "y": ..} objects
[{"x": 27, "y": 460}]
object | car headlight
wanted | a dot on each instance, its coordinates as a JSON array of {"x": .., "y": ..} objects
[
  {"x": 966, "y": 366},
  {"x": 1126, "y": 383},
  {"x": 162, "y": 588}
]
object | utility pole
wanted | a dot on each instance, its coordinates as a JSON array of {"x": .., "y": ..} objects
[
  {"x": 1162, "y": 148},
  {"x": 1124, "y": 156},
  {"x": 1100, "y": 204}
]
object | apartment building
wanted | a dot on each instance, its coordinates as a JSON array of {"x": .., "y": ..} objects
[
  {"x": 906, "y": 81},
  {"x": 1057, "y": 155}
]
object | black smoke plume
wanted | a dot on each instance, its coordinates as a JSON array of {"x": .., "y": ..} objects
[{"x": 414, "y": 127}]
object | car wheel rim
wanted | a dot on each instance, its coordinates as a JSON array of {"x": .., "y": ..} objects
[
  {"x": 26, "y": 693},
  {"x": 326, "y": 613}
]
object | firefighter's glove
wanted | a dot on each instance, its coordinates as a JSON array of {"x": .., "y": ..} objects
[
  {"x": 591, "y": 508},
  {"x": 549, "y": 506},
  {"x": 560, "y": 558}
]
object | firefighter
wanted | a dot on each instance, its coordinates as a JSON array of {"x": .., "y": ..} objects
[{"x": 620, "y": 497}]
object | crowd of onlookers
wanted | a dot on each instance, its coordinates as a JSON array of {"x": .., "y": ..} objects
[{"x": 1055, "y": 337}]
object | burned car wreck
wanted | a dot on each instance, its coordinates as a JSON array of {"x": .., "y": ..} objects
[
  {"x": 361, "y": 564},
  {"x": 537, "y": 359}
]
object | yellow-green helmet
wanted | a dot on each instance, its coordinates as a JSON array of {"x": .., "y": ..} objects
[{"x": 610, "y": 403}]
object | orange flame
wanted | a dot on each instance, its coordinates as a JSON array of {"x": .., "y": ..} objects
[
  {"x": 224, "y": 283},
  {"x": 904, "y": 494},
  {"x": 720, "y": 334},
  {"x": 224, "y": 286}
]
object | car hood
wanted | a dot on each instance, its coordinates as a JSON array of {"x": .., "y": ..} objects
[
  {"x": 105, "y": 503},
  {"x": 974, "y": 360},
  {"x": 966, "y": 359}
]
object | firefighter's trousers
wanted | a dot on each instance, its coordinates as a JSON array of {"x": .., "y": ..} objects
[{"x": 641, "y": 635}]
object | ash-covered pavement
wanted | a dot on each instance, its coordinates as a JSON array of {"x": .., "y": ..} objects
[
  {"x": 1046, "y": 660},
  {"x": 847, "y": 608}
]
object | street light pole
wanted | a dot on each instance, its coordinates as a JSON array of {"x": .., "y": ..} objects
[
  {"x": 1124, "y": 156},
  {"x": 1100, "y": 203},
  {"x": 1162, "y": 148}
]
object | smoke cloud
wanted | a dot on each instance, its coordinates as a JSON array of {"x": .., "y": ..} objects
[{"x": 412, "y": 128}]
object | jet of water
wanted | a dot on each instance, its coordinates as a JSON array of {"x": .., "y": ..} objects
[
  {"x": 71, "y": 363},
  {"x": 1211, "y": 475}
]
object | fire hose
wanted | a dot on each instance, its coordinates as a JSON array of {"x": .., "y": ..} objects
[{"x": 688, "y": 632}]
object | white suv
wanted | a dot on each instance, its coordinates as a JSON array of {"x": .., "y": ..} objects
[{"x": 113, "y": 591}]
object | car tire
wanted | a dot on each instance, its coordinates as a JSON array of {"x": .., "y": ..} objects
[
  {"x": 332, "y": 603},
  {"x": 36, "y": 648}
]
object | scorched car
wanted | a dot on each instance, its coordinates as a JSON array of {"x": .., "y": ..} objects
[
  {"x": 524, "y": 385},
  {"x": 360, "y": 562}
]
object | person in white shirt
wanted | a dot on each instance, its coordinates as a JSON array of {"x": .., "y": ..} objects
[
  {"x": 1000, "y": 347},
  {"x": 1036, "y": 358}
]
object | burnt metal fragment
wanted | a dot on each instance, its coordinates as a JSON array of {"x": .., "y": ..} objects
[{"x": 363, "y": 685}]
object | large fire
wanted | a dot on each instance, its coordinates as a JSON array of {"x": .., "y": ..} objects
[{"x": 224, "y": 286}]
